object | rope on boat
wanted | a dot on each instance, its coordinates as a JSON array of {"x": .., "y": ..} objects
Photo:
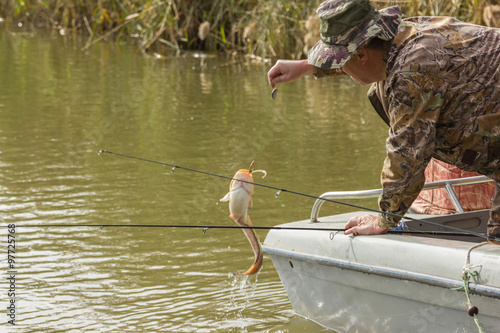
[{"x": 468, "y": 271}]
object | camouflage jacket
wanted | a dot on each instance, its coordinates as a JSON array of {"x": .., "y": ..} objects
[{"x": 442, "y": 99}]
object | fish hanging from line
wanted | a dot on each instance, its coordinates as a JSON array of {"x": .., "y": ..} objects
[{"x": 240, "y": 201}]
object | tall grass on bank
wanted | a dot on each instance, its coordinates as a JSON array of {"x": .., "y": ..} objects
[{"x": 265, "y": 28}]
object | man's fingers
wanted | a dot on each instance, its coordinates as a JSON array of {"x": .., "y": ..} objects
[
  {"x": 353, "y": 230},
  {"x": 351, "y": 226},
  {"x": 363, "y": 225},
  {"x": 353, "y": 221},
  {"x": 275, "y": 75},
  {"x": 278, "y": 78}
]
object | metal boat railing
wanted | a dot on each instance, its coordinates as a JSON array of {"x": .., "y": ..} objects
[{"x": 446, "y": 184}]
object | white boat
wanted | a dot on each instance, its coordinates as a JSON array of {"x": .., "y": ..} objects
[{"x": 392, "y": 282}]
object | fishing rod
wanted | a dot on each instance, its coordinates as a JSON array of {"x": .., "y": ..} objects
[
  {"x": 207, "y": 227},
  {"x": 174, "y": 167}
]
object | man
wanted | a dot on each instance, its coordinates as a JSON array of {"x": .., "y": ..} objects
[{"x": 435, "y": 81}]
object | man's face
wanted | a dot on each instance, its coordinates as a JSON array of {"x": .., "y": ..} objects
[
  {"x": 365, "y": 67},
  {"x": 355, "y": 70}
]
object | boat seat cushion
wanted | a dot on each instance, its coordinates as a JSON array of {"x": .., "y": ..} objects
[{"x": 437, "y": 202}]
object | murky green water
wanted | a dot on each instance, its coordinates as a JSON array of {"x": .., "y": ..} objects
[{"x": 59, "y": 106}]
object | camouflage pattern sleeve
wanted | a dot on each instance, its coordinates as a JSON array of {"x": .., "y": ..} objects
[{"x": 414, "y": 111}]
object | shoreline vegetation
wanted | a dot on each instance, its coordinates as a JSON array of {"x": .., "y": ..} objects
[{"x": 257, "y": 28}]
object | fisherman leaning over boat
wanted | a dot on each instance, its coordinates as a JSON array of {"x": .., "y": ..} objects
[{"x": 435, "y": 81}]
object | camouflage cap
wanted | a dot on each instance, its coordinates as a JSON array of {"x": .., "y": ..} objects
[{"x": 346, "y": 26}]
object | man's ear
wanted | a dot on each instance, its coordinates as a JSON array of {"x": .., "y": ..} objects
[{"x": 363, "y": 55}]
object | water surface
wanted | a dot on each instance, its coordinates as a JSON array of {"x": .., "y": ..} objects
[{"x": 60, "y": 105}]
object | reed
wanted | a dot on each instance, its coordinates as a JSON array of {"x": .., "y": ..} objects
[{"x": 264, "y": 28}]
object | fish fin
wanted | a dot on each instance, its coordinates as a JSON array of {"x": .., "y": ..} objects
[
  {"x": 226, "y": 197},
  {"x": 236, "y": 219},
  {"x": 253, "y": 269}
]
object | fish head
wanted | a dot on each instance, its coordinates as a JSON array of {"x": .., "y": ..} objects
[{"x": 246, "y": 181}]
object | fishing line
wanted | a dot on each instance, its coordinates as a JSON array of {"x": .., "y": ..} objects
[
  {"x": 280, "y": 190},
  {"x": 208, "y": 227}
]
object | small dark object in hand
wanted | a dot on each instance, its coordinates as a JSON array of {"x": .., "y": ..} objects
[
  {"x": 274, "y": 93},
  {"x": 473, "y": 310}
]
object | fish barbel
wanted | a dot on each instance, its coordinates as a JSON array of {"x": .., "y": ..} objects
[{"x": 240, "y": 200}]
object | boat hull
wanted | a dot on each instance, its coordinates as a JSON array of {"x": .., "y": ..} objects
[{"x": 384, "y": 283}]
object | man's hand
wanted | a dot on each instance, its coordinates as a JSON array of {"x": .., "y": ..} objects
[
  {"x": 364, "y": 225},
  {"x": 288, "y": 71}
]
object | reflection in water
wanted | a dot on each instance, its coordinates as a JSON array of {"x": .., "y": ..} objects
[{"x": 60, "y": 106}]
